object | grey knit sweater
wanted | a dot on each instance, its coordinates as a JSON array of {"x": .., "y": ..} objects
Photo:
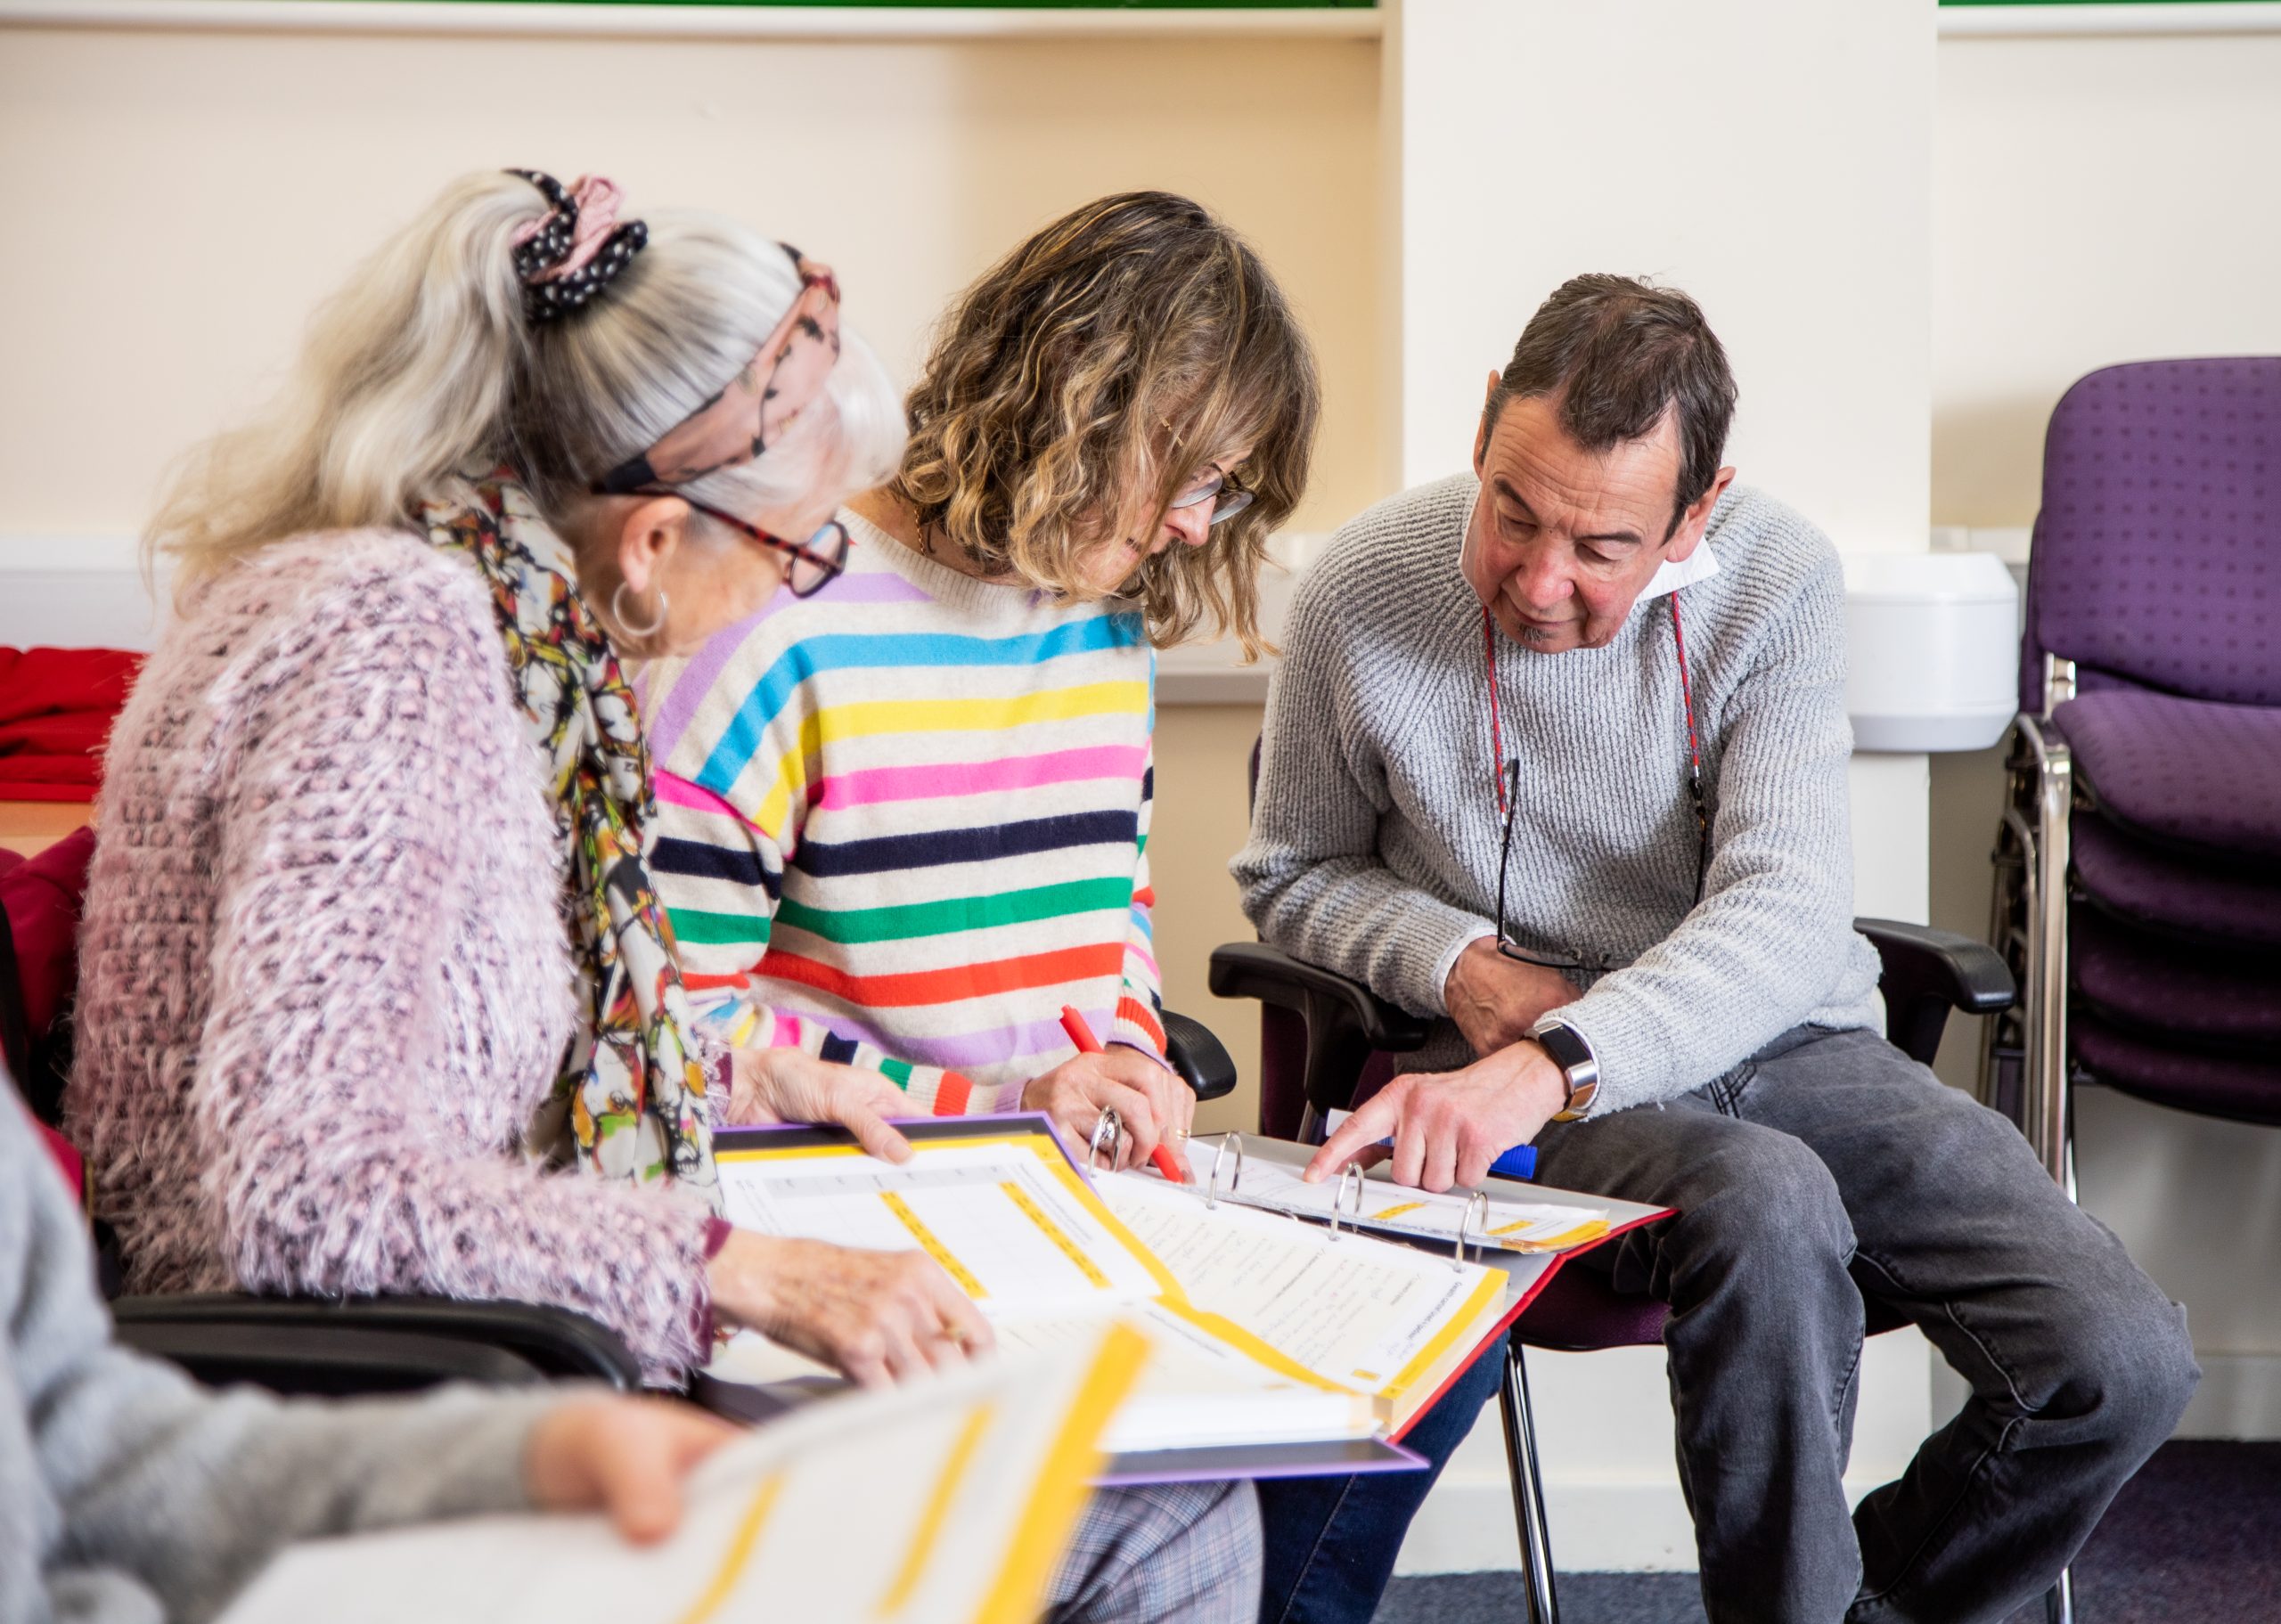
[
  {"x": 129, "y": 1496},
  {"x": 1374, "y": 844}
]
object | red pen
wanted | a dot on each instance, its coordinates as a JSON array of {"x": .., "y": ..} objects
[{"x": 1082, "y": 1035}]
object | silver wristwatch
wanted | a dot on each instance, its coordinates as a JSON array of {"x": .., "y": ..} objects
[{"x": 1577, "y": 1063}]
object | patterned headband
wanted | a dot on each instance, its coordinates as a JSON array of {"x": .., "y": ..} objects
[
  {"x": 574, "y": 250},
  {"x": 753, "y": 409}
]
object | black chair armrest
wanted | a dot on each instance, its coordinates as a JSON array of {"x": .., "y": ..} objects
[
  {"x": 324, "y": 1361},
  {"x": 385, "y": 1344},
  {"x": 1253, "y": 969},
  {"x": 1199, "y": 1055},
  {"x": 1927, "y": 973},
  {"x": 1343, "y": 1020}
]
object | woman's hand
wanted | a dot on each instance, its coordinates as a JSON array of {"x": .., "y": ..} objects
[
  {"x": 877, "y": 1317},
  {"x": 1154, "y": 1104},
  {"x": 790, "y": 1085},
  {"x": 626, "y": 1457}
]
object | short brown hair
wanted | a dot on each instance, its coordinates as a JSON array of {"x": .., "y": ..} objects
[
  {"x": 1619, "y": 353},
  {"x": 1118, "y": 350}
]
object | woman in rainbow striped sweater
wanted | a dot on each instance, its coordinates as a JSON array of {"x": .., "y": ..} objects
[{"x": 905, "y": 821}]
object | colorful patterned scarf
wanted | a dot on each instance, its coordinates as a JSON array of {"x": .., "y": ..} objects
[{"x": 631, "y": 1095}]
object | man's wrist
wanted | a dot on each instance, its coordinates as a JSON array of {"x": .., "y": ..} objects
[{"x": 1533, "y": 1074}]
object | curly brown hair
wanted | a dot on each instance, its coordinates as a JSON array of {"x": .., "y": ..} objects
[{"x": 1091, "y": 374}]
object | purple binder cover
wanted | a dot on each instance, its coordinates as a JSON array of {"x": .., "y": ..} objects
[{"x": 1339, "y": 1457}]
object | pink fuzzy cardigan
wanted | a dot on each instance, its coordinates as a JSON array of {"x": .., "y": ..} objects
[{"x": 324, "y": 981}]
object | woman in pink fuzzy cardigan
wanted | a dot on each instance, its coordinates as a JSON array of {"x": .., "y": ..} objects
[{"x": 375, "y": 995}]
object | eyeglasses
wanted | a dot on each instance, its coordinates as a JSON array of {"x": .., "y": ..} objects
[
  {"x": 1507, "y": 782},
  {"x": 813, "y": 564},
  {"x": 1557, "y": 958},
  {"x": 1227, "y": 497}
]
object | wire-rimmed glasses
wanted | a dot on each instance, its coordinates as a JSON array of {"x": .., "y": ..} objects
[
  {"x": 1227, "y": 498},
  {"x": 1560, "y": 958}
]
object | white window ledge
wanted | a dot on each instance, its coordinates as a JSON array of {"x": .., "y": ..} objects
[{"x": 2029, "y": 21}]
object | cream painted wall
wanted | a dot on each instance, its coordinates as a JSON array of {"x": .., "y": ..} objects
[
  {"x": 180, "y": 199},
  {"x": 2097, "y": 200}
]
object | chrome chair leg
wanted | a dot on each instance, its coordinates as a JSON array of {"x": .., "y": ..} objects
[
  {"x": 2050, "y": 771},
  {"x": 2048, "y": 1099},
  {"x": 1528, "y": 1488}
]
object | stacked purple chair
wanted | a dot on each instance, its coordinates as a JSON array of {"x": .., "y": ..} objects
[{"x": 2138, "y": 863}]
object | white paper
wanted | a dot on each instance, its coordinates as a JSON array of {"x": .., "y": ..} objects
[
  {"x": 822, "y": 1517},
  {"x": 1355, "y": 1309},
  {"x": 1044, "y": 1267}
]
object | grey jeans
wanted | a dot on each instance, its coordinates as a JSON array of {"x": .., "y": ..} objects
[{"x": 1826, "y": 1167}]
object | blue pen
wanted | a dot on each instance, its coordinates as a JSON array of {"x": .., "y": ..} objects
[{"x": 1518, "y": 1162}]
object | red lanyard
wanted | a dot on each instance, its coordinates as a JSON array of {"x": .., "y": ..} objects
[{"x": 1686, "y": 704}]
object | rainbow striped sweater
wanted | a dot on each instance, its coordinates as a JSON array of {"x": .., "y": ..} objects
[{"x": 903, "y": 822}]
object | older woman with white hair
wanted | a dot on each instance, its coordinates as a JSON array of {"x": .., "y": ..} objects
[{"x": 376, "y": 993}]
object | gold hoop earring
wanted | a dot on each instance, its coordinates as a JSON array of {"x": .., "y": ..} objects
[{"x": 624, "y": 622}]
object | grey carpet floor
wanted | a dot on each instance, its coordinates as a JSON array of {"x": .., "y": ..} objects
[{"x": 2194, "y": 1538}]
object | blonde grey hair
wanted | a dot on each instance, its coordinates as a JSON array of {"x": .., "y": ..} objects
[{"x": 423, "y": 367}]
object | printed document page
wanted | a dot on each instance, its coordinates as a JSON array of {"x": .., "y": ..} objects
[
  {"x": 1514, "y": 1218},
  {"x": 942, "y": 1502},
  {"x": 1381, "y": 1317},
  {"x": 1005, "y": 1219},
  {"x": 1023, "y": 1234}
]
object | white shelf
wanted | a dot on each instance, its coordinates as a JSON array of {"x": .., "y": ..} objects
[
  {"x": 687, "y": 21},
  {"x": 2047, "y": 21}
]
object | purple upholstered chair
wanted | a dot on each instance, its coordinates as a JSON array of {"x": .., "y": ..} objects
[
  {"x": 2139, "y": 864},
  {"x": 1327, "y": 1042}
]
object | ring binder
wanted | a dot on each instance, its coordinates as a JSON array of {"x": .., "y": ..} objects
[
  {"x": 1109, "y": 1132},
  {"x": 1212, "y": 1191},
  {"x": 1478, "y": 1206},
  {"x": 1349, "y": 1176},
  {"x": 1256, "y": 1369}
]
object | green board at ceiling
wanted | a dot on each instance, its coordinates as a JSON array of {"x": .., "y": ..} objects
[{"x": 1986, "y": 4}]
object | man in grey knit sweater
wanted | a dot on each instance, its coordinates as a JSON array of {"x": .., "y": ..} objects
[{"x": 1558, "y": 755}]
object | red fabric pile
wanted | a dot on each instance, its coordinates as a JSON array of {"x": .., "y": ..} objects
[
  {"x": 40, "y": 899},
  {"x": 40, "y": 896},
  {"x": 56, "y": 708}
]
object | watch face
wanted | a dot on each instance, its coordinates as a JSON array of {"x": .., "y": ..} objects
[{"x": 1568, "y": 1050}]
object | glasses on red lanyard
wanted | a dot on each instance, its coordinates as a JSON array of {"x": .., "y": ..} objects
[{"x": 1507, "y": 778}]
